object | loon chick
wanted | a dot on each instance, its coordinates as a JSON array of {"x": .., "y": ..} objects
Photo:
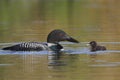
[
  {"x": 53, "y": 39},
  {"x": 95, "y": 47}
]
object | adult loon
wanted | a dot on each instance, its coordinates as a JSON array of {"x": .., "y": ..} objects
[
  {"x": 96, "y": 47},
  {"x": 53, "y": 39}
]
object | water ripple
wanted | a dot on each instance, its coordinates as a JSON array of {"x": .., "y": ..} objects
[{"x": 108, "y": 64}]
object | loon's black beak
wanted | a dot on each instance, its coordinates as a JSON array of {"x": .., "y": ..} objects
[{"x": 72, "y": 39}]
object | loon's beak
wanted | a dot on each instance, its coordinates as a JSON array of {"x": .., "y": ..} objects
[{"x": 72, "y": 40}]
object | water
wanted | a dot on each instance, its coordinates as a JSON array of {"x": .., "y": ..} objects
[
  {"x": 75, "y": 62},
  {"x": 84, "y": 20}
]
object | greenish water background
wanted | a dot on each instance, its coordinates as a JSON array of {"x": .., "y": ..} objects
[{"x": 84, "y": 19}]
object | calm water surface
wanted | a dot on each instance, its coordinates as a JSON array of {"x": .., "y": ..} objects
[
  {"x": 85, "y": 20},
  {"x": 75, "y": 62}
]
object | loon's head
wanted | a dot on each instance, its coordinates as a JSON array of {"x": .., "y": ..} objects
[{"x": 57, "y": 35}]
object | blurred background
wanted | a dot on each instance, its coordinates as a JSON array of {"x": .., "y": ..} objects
[{"x": 86, "y": 20}]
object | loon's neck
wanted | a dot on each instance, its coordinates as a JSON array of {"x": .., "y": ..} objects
[
  {"x": 55, "y": 46},
  {"x": 51, "y": 44}
]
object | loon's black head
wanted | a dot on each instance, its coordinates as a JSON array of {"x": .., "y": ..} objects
[{"x": 57, "y": 35}]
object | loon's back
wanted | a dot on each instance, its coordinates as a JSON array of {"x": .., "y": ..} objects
[{"x": 28, "y": 46}]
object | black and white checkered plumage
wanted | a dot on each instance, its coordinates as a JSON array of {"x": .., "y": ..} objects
[
  {"x": 53, "y": 40},
  {"x": 28, "y": 46}
]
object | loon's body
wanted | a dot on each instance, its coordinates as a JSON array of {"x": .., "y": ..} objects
[{"x": 53, "y": 40}]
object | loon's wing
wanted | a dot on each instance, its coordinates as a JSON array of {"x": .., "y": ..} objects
[{"x": 28, "y": 46}]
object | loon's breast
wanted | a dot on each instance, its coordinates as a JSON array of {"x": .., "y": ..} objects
[{"x": 28, "y": 46}]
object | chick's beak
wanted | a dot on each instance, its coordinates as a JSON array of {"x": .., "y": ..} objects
[{"x": 87, "y": 44}]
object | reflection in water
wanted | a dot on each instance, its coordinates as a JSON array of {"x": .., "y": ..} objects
[
  {"x": 76, "y": 61},
  {"x": 58, "y": 65},
  {"x": 55, "y": 59},
  {"x": 93, "y": 57}
]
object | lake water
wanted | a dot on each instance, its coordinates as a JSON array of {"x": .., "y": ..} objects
[
  {"x": 74, "y": 63},
  {"x": 23, "y": 21}
]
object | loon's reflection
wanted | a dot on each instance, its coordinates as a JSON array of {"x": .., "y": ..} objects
[{"x": 55, "y": 59}]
